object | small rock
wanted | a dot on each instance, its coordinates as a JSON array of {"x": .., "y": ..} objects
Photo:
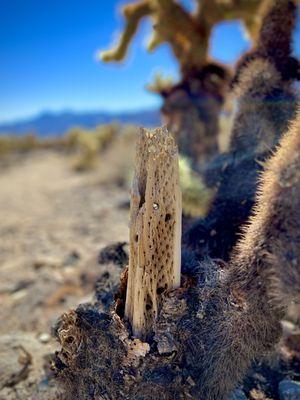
[
  {"x": 124, "y": 204},
  {"x": 72, "y": 258},
  {"x": 289, "y": 390},
  {"x": 114, "y": 253},
  {"x": 47, "y": 262},
  {"x": 44, "y": 337},
  {"x": 238, "y": 394},
  {"x": 15, "y": 287},
  {"x": 15, "y": 364},
  {"x": 257, "y": 394},
  {"x": 17, "y": 296}
]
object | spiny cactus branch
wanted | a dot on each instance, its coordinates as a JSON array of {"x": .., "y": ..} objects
[
  {"x": 187, "y": 33},
  {"x": 133, "y": 14},
  {"x": 250, "y": 12},
  {"x": 171, "y": 24}
]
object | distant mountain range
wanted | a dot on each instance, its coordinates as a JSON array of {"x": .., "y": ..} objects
[{"x": 48, "y": 124}]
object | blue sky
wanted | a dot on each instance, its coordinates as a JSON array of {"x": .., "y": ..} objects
[{"x": 47, "y": 53}]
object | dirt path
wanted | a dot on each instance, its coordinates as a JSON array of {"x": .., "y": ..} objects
[{"x": 53, "y": 224}]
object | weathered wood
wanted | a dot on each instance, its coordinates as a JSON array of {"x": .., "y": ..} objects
[{"x": 155, "y": 229}]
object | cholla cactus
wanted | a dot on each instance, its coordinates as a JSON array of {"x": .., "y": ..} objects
[
  {"x": 88, "y": 144},
  {"x": 191, "y": 107},
  {"x": 266, "y": 103},
  {"x": 187, "y": 33},
  {"x": 209, "y": 331},
  {"x": 262, "y": 277}
]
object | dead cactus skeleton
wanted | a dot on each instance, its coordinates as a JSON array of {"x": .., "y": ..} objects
[{"x": 155, "y": 228}]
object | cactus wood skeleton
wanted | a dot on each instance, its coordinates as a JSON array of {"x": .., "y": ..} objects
[{"x": 155, "y": 228}]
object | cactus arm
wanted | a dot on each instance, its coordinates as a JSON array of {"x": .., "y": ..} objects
[
  {"x": 155, "y": 40},
  {"x": 133, "y": 14}
]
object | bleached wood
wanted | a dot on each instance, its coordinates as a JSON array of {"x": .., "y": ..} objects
[{"x": 155, "y": 229}]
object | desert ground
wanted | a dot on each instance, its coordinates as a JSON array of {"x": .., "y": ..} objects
[{"x": 54, "y": 223}]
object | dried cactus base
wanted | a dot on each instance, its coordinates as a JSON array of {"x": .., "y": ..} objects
[{"x": 99, "y": 358}]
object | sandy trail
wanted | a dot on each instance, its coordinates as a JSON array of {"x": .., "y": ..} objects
[
  {"x": 53, "y": 224},
  {"x": 48, "y": 209}
]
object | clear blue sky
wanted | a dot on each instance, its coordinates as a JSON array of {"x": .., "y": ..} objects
[{"x": 47, "y": 53}]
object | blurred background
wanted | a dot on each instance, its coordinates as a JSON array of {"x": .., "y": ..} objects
[
  {"x": 50, "y": 74},
  {"x": 68, "y": 122}
]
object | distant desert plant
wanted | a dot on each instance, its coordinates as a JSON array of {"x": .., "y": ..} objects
[
  {"x": 109, "y": 149},
  {"x": 84, "y": 145},
  {"x": 11, "y": 144},
  {"x": 87, "y": 144},
  {"x": 116, "y": 162}
]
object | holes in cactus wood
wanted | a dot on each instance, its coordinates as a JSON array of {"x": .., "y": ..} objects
[
  {"x": 159, "y": 290},
  {"x": 69, "y": 340},
  {"x": 149, "y": 303},
  {"x": 168, "y": 217}
]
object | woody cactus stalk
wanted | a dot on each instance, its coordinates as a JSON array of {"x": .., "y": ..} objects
[{"x": 155, "y": 229}]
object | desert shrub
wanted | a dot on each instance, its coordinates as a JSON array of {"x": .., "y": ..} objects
[
  {"x": 11, "y": 144},
  {"x": 85, "y": 146},
  {"x": 117, "y": 161},
  {"x": 88, "y": 144},
  {"x": 5, "y": 145}
]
